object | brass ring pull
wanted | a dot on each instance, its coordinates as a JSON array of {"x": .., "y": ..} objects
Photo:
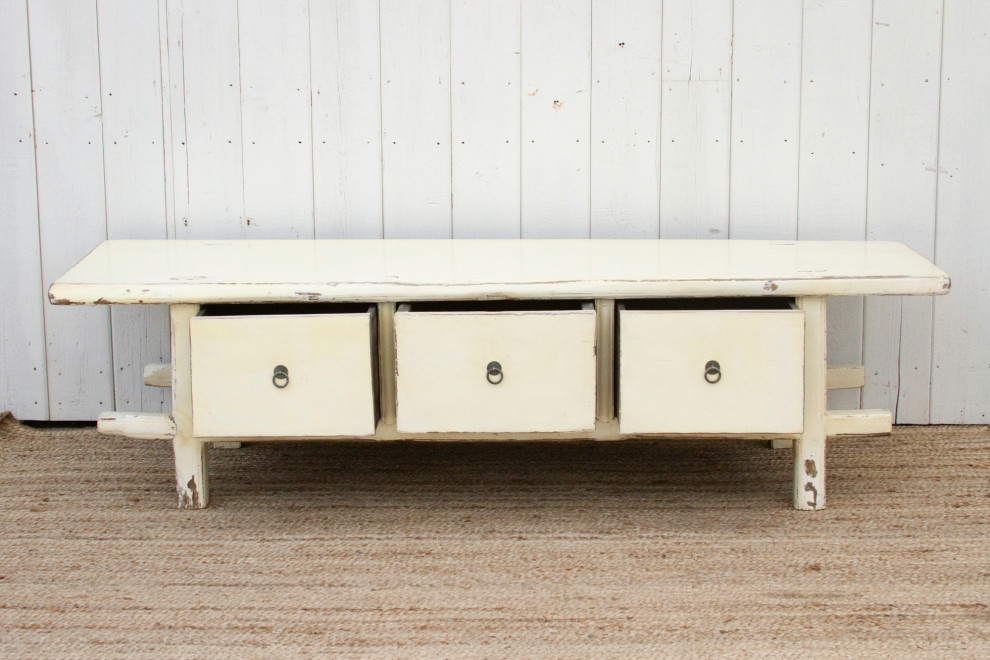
[
  {"x": 280, "y": 378},
  {"x": 494, "y": 373},
  {"x": 713, "y": 372}
]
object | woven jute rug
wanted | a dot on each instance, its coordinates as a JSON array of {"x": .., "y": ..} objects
[{"x": 684, "y": 548}]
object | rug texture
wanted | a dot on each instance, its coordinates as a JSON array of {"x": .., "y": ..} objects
[{"x": 635, "y": 549}]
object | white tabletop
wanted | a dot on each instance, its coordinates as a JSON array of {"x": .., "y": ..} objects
[{"x": 171, "y": 272}]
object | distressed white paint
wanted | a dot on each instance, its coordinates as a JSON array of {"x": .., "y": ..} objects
[
  {"x": 408, "y": 270},
  {"x": 72, "y": 207},
  {"x": 696, "y": 119},
  {"x": 192, "y": 486},
  {"x": 547, "y": 371},
  {"x": 841, "y": 377},
  {"x": 904, "y": 111},
  {"x": 809, "y": 447},
  {"x": 212, "y": 150},
  {"x": 961, "y": 362},
  {"x": 416, "y": 118},
  {"x": 556, "y": 119},
  {"x": 328, "y": 390},
  {"x": 133, "y": 158},
  {"x": 485, "y": 118},
  {"x": 23, "y": 377},
  {"x": 158, "y": 374},
  {"x": 663, "y": 355},
  {"x": 347, "y": 118},
  {"x": 322, "y": 381},
  {"x": 143, "y": 426},
  {"x": 625, "y": 118},
  {"x": 835, "y": 96},
  {"x": 766, "y": 86},
  {"x": 857, "y": 422},
  {"x": 276, "y": 124}
]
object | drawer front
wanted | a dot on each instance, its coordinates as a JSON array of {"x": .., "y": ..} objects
[
  {"x": 327, "y": 388},
  {"x": 666, "y": 384},
  {"x": 543, "y": 379}
]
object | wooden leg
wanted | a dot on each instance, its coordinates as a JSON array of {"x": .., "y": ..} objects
[
  {"x": 191, "y": 475},
  {"x": 809, "y": 448}
]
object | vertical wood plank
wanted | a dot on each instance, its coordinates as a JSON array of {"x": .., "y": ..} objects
[
  {"x": 416, "y": 118},
  {"x": 23, "y": 377},
  {"x": 904, "y": 106},
  {"x": 276, "y": 121},
  {"x": 485, "y": 118},
  {"x": 133, "y": 156},
  {"x": 173, "y": 114},
  {"x": 625, "y": 118},
  {"x": 214, "y": 160},
  {"x": 961, "y": 373},
  {"x": 72, "y": 209},
  {"x": 345, "y": 64},
  {"x": 766, "y": 86},
  {"x": 556, "y": 119},
  {"x": 695, "y": 119},
  {"x": 835, "y": 95}
]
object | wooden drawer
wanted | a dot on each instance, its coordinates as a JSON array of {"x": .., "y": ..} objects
[
  {"x": 543, "y": 379},
  {"x": 667, "y": 386},
  {"x": 328, "y": 388}
]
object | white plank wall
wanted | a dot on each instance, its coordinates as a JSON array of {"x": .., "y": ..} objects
[
  {"x": 485, "y": 118},
  {"x": 625, "y": 118},
  {"x": 170, "y": 43},
  {"x": 415, "y": 110},
  {"x": 810, "y": 119},
  {"x": 134, "y": 164},
  {"x": 23, "y": 376},
  {"x": 212, "y": 151},
  {"x": 961, "y": 371},
  {"x": 695, "y": 119},
  {"x": 766, "y": 109},
  {"x": 835, "y": 111},
  {"x": 345, "y": 62},
  {"x": 65, "y": 70},
  {"x": 276, "y": 124},
  {"x": 904, "y": 134},
  {"x": 556, "y": 119}
]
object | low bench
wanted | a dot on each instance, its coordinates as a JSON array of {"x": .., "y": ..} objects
[{"x": 496, "y": 339}]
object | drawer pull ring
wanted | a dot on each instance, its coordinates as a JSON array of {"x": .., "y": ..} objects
[
  {"x": 494, "y": 374},
  {"x": 713, "y": 372},
  {"x": 280, "y": 378}
]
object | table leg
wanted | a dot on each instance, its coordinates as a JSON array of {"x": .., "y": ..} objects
[
  {"x": 191, "y": 474},
  {"x": 809, "y": 448}
]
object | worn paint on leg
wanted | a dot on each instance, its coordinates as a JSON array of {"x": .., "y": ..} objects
[
  {"x": 809, "y": 447},
  {"x": 191, "y": 475}
]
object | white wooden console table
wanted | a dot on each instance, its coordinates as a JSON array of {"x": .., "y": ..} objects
[{"x": 493, "y": 339}]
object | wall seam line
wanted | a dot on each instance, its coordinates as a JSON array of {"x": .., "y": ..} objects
[
  {"x": 244, "y": 221},
  {"x": 732, "y": 88},
  {"x": 37, "y": 203},
  {"x": 938, "y": 178},
  {"x": 312, "y": 115},
  {"x": 106, "y": 202}
]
